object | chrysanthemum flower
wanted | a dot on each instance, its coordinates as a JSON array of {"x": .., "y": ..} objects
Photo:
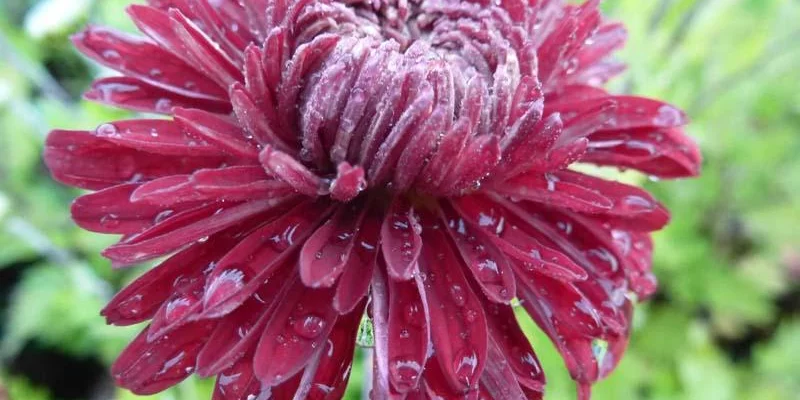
[{"x": 408, "y": 160}]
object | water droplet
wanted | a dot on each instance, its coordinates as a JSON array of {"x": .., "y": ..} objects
[
  {"x": 465, "y": 364},
  {"x": 623, "y": 240},
  {"x": 604, "y": 255},
  {"x": 551, "y": 182},
  {"x": 162, "y": 216},
  {"x": 111, "y": 55},
  {"x": 640, "y": 145},
  {"x": 638, "y": 203},
  {"x": 172, "y": 362},
  {"x": 470, "y": 316},
  {"x": 225, "y": 380},
  {"x": 485, "y": 220},
  {"x": 528, "y": 359},
  {"x": 413, "y": 314},
  {"x": 457, "y": 293},
  {"x": 405, "y": 372},
  {"x": 163, "y": 105},
  {"x": 131, "y": 307},
  {"x": 107, "y": 130},
  {"x": 176, "y": 309},
  {"x": 570, "y": 66},
  {"x": 310, "y": 326},
  {"x": 223, "y": 286},
  {"x": 110, "y": 220},
  {"x": 668, "y": 116},
  {"x": 404, "y": 334},
  {"x": 565, "y": 227},
  {"x": 156, "y": 73},
  {"x": 135, "y": 178}
]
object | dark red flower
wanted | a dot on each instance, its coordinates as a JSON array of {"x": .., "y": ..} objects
[{"x": 407, "y": 157}]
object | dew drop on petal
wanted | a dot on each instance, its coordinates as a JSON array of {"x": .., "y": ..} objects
[
  {"x": 551, "y": 182},
  {"x": 176, "y": 309},
  {"x": 404, "y": 372},
  {"x": 457, "y": 293},
  {"x": 638, "y": 203},
  {"x": 309, "y": 326},
  {"x": 131, "y": 307},
  {"x": 107, "y": 130},
  {"x": 163, "y": 105},
  {"x": 668, "y": 116},
  {"x": 162, "y": 216},
  {"x": 223, "y": 286},
  {"x": 111, "y": 54},
  {"x": 413, "y": 314},
  {"x": 465, "y": 364}
]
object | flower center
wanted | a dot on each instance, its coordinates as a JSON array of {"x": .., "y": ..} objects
[{"x": 408, "y": 93}]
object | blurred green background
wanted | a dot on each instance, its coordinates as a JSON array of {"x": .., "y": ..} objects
[{"x": 725, "y": 325}]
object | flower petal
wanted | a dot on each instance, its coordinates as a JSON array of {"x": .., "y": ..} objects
[
  {"x": 300, "y": 324},
  {"x": 354, "y": 281},
  {"x": 82, "y": 159},
  {"x": 183, "y": 229},
  {"x": 239, "y": 382},
  {"x": 134, "y": 94},
  {"x": 508, "y": 339},
  {"x": 206, "y": 54},
  {"x": 665, "y": 153},
  {"x": 216, "y": 130},
  {"x": 155, "y": 136},
  {"x": 141, "y": 299},
  {"x": 111, "y": 211},
  {"x": 239, "y": 332},
  {"x": 587, "y": 194},
  {"x": 335, "y": 364},
  {"x": 400, "y": 240},
  {"x": 488, "y": 264},
  {"x": 259, "y": 255},
  {"x": 509, "y": 234},
  {"x": 148, "y": 368},
  {"x": 326, "y": 253},
  {"x": 139, "y": 58},
  {"x": 408, "y": 333},
  {"x": 255, "y": 121},
  {"x": 459, "y": 335},
  {"x": 498, "y": 380},
  {"x": 291, "y": 171}
]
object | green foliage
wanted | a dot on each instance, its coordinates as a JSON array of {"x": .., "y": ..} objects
[{"x": 726, "y": 324}]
